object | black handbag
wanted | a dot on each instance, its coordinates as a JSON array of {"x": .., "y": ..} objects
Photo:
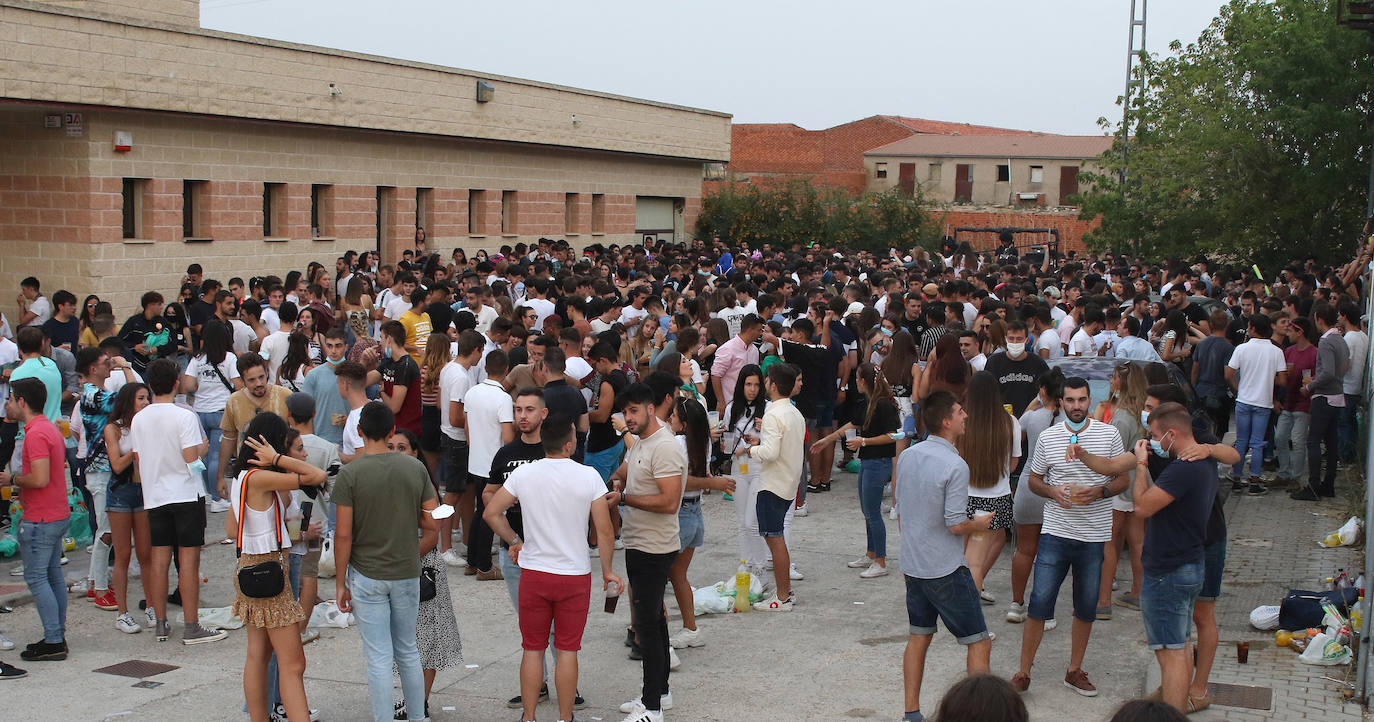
[
  {"x": 263, "y": 580},
  {"x": 427, "y": 584}
]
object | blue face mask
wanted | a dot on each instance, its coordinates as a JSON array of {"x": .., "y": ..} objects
[
  {"x": 332, "y": 362},
  {"x": 1159, "y": 449},
  {"x": 886, "y": 331},
  {"x": 1076, "y": 427},
  {"x": 387, "y": 352},
  {"x": 1144, "y": 419}
]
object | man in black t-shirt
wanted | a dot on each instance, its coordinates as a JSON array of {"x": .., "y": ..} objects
[
  {"x": 527, "y": 447},
  {"x": 1017, "y": 373},
  {"x": 605, "y": 447},
  {"x": 1178, "y": 296},
  {"x": 560, "y": 398},
  {"x": 438, "y": 307},
  {"x": 1238, "y": 331}
]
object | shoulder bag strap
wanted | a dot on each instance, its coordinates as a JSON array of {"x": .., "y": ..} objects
[
  {"x": 220, "y": 374},
  {"x": 243, "y": 509}
]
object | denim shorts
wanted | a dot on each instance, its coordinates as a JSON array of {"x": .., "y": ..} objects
[
  {"x": 1214, "y": 563},
  {"x": 125, "y": 498},
  {"x": 691, "y": 530},
  {"x": 825, "y": 413},
  {"x": 1054, "y": 559},
  {"x": 454, "y": 457},
  {"x": 953, "y": 599},
  {"x": 772, "y": 511},
  {"x": 1166, "y": 602},
  {"x": 607, "y": 460}
]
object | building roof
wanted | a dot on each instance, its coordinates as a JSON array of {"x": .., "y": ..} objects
[
  {"x": 997, "y": 146},
  {"x": 941, "y": 127}
]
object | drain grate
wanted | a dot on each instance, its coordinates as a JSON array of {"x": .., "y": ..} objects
[
  {"x": 137, "y": 668},
  {"x": 1237, "y": 695}
]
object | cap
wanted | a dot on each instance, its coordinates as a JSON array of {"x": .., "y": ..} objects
[
  {"x": 300, "y": 405},
  {"x": 930, "y": 289}
]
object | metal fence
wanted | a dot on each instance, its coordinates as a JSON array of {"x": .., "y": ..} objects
[{"x": 1363, "y": 661}]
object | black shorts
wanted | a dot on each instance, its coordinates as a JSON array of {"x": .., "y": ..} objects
[
  {"x": 455, "y": 460},
  {"x": 429, "y": 428},
  {"x": 178, "y": 525}
]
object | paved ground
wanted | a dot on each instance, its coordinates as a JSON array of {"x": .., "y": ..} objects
[{"x": 837, "y": 656}]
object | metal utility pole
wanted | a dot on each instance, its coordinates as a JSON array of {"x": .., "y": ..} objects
[{"x": 1137, "y": 21}]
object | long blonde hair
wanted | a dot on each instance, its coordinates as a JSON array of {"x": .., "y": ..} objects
[
  {"x": 1134, "y": 387},
  {"x": 435, "y": 358}
]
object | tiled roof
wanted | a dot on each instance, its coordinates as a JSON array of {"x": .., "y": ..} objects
[
  {"x": 997, "y": 146},
  {"x": 941, "y": 127}
]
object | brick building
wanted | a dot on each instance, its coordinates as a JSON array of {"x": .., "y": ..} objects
[{"x": 133, "y": 142}]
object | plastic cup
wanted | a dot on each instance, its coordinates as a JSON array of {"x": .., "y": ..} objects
[
  {"x": 712, "y": 418},
  {"x": 849, "y": 434},
  {"x": 293, "y": 528},
  {"x": 6, "y": 492},
  {"x": 612, "y": 597}
]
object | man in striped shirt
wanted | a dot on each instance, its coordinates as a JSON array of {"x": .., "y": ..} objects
[{"x": 1078, "y": 521}]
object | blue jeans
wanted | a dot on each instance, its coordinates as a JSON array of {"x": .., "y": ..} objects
[
  {"x": 209, "y": 423},
  {"x": 40, "y": 543},
  {"x": 1251, "y": 423},
  {"x": 952, "y": 599},
  {"x": 1166, "y": 602},
  {"x": 1054, "y": 559},
  {"x": 387, "y": 612},
  {"x": 1291, "y": 431},
  {"x": 874, "y": 476}
]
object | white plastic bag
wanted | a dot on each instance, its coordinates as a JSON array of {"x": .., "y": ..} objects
[
  {"x": 326, "y": 558},
  {"x": 727, "y": 588},
  {"x": 708, "y": 600},
  {"x": 1326, "y": 651},
  {"x": 1265, "y": 618},
  {"x": 219, "y": 618},
  {"x": 1347, "y": 535},
  {"x": 327, "y": 614}
]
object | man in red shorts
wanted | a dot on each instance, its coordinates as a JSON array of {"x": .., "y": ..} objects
[{"x": 557, "y": 496}]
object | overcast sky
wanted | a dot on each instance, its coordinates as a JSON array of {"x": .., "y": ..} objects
[{"x": 1053, "y": 66}]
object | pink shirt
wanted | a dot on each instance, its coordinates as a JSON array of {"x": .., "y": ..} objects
[
  {"x": 732, "y": 356},
  {"x": 42, "y": 440}
]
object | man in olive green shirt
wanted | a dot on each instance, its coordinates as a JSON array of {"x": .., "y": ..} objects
[{"x": 383, "y": 500}]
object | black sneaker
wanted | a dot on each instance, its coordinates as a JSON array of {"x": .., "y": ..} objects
[
  {"x": 518, "y": 701},
  {"x": 1257, "y": 490},
  {"x": 1239, "y": 485},
  {"x": 629, "y": 637},
  {"x": 40, "y": 642},
  {"x": 579, "y": 702},
  {"x": 400, "y": 711},
  {"x": 825, "y": 486},
  {"x": 814, "y": 488},
  {"x": 45, "y": 652},
  {"x": 174, "y": 598},
  {"x": 11, "y": 672},
  {"x": 1304, "y": 494},
  {"x": 636, "y": 653}
]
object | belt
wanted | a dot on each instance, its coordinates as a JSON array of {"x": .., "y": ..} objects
[{"x": 692, "y": 500}]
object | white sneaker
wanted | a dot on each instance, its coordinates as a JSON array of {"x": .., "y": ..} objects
[
  {"x": 892, "y": 513},
  {"x": 594, "y": 552},
  {"x": 639, "y": 714},
  {"x": 673, "y": 661},
  {"x": 619, "y": 544},
  {"x": 794, "y": 573},
  {"x": 6, "y": 643},
  {"x": 1016, "y": 613},
  {"x": 17, "y": 571},
  {"x": 126, "y": 624},
  {"x": 279, "y": 713},
  {"x": 987, "y": 597},
  {"x": 686, "y": 638},
  {"x": 453, "y": 558},
  {"x": 309, "y": 636},
  {"x": 773, "y": 604},
  {"x": 151, "y": 618},
  {"x": 873, "y": 572},
  {"x": 665, "y": 703},
  {"x": 861, "y": 563},
  {"x": 218, "y": 506},
  {"x": 801, "y": 511},
  {"x": 1050, "y": 624},
  {"x": 992, "y": 636}
]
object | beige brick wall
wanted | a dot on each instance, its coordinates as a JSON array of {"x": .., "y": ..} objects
[
  {"x": 178, "y": 12},
  {"x": 60, "y": 197},
  {"x": 53, "y": 53},
  {"x": 986, "y": 188}
]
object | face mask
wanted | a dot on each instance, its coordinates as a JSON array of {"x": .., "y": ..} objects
[
  {"x": 1159, "y": 449},
  {"x": 886, "y": 331},
  {"x": 332, "y": 362},
  {"x": 1016, "y": 349},
  {"x": 1076, "y": 427},
  {"x": 387, "y": 352}
]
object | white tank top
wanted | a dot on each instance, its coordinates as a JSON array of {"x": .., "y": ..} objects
[{"x": 258, "y": 537}]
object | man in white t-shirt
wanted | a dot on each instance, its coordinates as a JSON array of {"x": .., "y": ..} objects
[
  {"x": 1047, "y": 343},
  {"x": 1255, "y": 367},
  {"x": 632, "y": 314},
  {"x": 1078, "y": 521},
  {"x": 34, "y": 308},
  {"x": 351, "y": 378},
  {"x": 168, "y": 448},
  {"x": 400, "y": 303},
  {"x": 454, "y": 382},
  {"x": 490, "y": 423},
  {"x": 557, "y": 496},
  {"x": 274, "y": 347},
  {"x": 271, "y": 317},
  {"x": 537, "y": 298},
  {"x": 969, "y": 349},
  {"x": 478, "y": 303},
  {"x": 1084, "y": 342},
  {"x": 1353, "y": 382}
]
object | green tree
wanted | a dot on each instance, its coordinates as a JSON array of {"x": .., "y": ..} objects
[
  {"x": 1250, "y": 144},
  {"x": 751, "y": 215}
]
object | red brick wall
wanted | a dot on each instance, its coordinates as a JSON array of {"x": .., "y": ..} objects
[
  {"x": 295, "y": 217},
  {"x": 352, "y": 217},
  {"x": 1071, "y": 229},
  {"x": 398, "y": 227},
  {"x": 51, "y": 208},
  {"x": 448, "y": 217},
  {"x": 620, "y": 213}
]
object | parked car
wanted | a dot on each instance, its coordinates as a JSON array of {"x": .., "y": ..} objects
[{"x": 1098, "y": 371}]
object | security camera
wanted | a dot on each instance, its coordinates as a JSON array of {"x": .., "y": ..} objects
[{"x": 335, "y": 90}]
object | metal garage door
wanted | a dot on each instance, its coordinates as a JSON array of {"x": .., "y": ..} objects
[{"x": 654, "y": 216}]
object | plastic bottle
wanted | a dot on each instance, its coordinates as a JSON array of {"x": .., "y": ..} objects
[{"x": 742, "y": 587}]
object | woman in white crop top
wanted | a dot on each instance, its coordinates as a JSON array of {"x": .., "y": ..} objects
[{"x": 268, "y": 468}]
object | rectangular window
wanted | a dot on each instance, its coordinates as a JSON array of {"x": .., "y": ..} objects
[
  {"x": 570, "y": 219},
  {"x": 321, "y": 197},
  {"x": 1037, "y": 174},
  {"x": 1003, "y": 173},
  {"x": 598, "y": 213},
  {"x": 192, "y": 210},
  {"x": 424, "y": 207},
  {"x": 933, "y": 172},
  {"x": 476, "y": 198},
  {"x": 273, "y": 206},
  {"x": 880, "y": 170},
  {"x": 508, "y": 212},
  {"x": 132, "y": 197}
]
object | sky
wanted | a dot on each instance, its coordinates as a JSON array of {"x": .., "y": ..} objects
[{"x": 1054, "y": 66}]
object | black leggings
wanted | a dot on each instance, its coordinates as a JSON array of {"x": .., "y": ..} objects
[
  {"x": 648, "y": 577},
  {"x": 481, "y": 536}
]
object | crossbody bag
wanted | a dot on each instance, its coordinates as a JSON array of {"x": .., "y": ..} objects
[{"x": 263, "y": 580}]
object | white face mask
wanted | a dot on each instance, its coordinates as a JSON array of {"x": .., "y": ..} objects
[{"x": 1016, "y": 349}]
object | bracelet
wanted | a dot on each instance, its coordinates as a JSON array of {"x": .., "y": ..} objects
[{"x": 275, "y": 462}]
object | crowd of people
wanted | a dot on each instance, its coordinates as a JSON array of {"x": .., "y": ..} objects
[{"x": 563, "y": 406}]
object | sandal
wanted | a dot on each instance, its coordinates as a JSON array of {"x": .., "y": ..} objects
[{"x": 1197, "y": 704}]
